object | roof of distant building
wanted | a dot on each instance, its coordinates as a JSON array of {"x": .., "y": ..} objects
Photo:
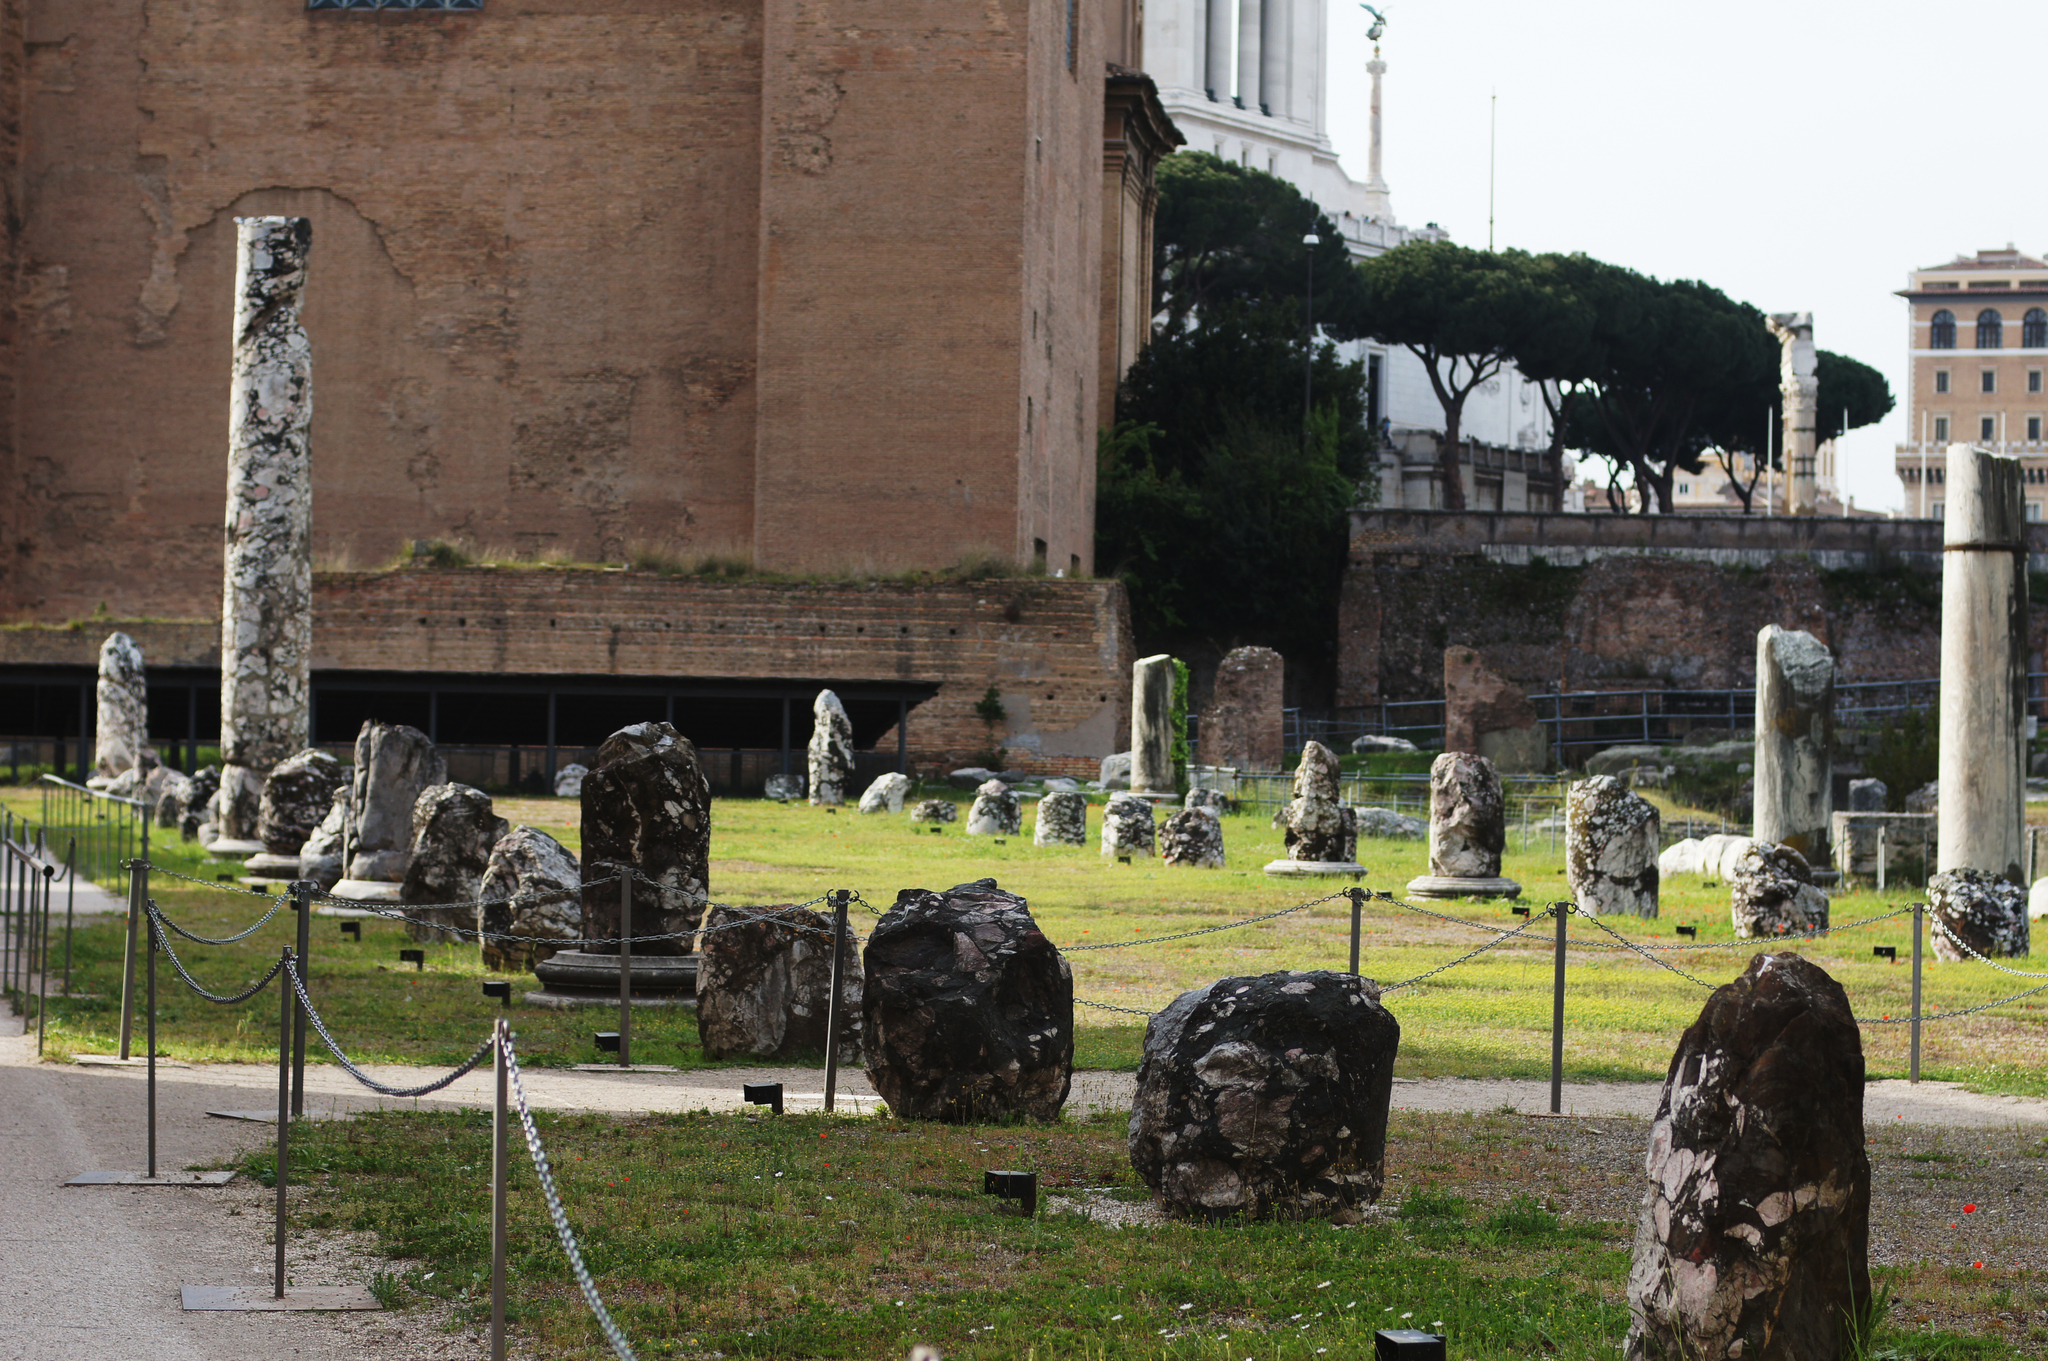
[{"x": 2008, "y": 258}]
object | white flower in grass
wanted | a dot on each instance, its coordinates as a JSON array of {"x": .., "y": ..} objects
[
  {"x": 1185, "y": 1307},
  {"x": 1116, "y": 1318},
  {"x": 1409, "y": 1314},
  {"x": 1324, "y": 1286}
]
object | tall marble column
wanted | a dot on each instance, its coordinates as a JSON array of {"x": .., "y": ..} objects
[
  {"x": 1152, "y": 726},
  {"x": 1379, "y": 201},
  {"x": 1795, "y": 738},
  {"x": 1216, "y": 61},
  {"x": 1276, "y": 94},
  {"x": 1798, "y": 382},
  {"x": 1249, "y": 27},
  {"x": 1983, "y": 666},
  {"x": 267, "y": 586}
]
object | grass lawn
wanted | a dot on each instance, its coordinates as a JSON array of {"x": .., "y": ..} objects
[
  {"x": 756, "y": 1236},
  {"x": 1490, "y": 1017}
]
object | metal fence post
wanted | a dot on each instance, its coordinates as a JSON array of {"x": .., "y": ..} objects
[
  {"x": 302, "y": 902},
  {"x": 1563, "y": 912},
  {"x": 1357, "y": 896},
  {"x": 138, "y": 894},
  {"x": 70, "y": 904},
  {"x": 840, "y": 898},
  {"x": 43, "y": 970},
  {"x": 499, "y": 1167},
  {"x": 625, "y": 966},
  {"x": 284, "y": 1106},
  {"x": 149, "y": 1038},
  {"x": 1880, "y": 856},
  {"x": 1919, "y": 910}
]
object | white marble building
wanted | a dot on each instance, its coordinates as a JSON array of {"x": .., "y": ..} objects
[{"x": 1249, "y": 80}]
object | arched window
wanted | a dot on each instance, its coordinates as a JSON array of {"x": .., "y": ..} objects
[
  {"x": 1990, "y": 329},
  {"x": 2034, "y": 330},
  {"x": 1941, "y": 331}
]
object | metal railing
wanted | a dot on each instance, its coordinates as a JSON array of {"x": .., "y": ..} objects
[
  {"x": 1581, "y": 721},
  {"x": 107, "y": 830}
]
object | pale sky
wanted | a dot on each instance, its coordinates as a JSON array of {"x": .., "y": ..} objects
[{"x": 1801, "y": 155}]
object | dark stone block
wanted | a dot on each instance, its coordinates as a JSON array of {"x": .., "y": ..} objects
[{"x": 646, "y": 804}]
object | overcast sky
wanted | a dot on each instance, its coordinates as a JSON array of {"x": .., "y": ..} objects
[{"x": 1801, "y": 155}]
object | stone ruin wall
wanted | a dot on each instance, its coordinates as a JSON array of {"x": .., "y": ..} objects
[
  {"x": 562, "y": 251},
  {"x": 1625, "y": 622},
  {"x": 1059, "y": 652}
]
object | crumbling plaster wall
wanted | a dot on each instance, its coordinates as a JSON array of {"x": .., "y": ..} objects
[{"x": 507, "y": 206}]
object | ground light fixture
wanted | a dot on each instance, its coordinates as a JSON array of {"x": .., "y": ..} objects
[
  {"x": 416, "y": 958},
  {"x": 767, "y": 1094},
  {"x": 499, "y": 988},
  {"x": 1012, "y": 1186},
  {"x": 353, "y": 930},
  {"x": 1407, "y": 1344}
]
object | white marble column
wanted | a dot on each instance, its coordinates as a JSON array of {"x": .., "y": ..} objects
[
  {"x": 1800, "y": 386},
  {"x": 1152, "y": 726},
  {"x": 1249, "y": 26},
  {"x": 121, "y": 728},
  {"x": 1216, "y": 61},
  {"x": 1274, "y": 91},
  {"x": 1795, "y": 738},
  {"x": 267, "y": 582},
  {"x": 1983, "y": 665}
]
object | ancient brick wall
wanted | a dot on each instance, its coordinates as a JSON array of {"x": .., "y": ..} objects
[
  {"x": 1058, "y": 652},
  {"x": 1622, "y": 623},
  {"x": 13, "y": 69}
]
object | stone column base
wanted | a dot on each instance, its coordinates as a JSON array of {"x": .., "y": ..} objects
[
  {"x": 227, "y": 849},
  {"x": 369, "y": 891},
  {"x": 1444, "y": 886},
  {"x": 1313, "y": 869}
]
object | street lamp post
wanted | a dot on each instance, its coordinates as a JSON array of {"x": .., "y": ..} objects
[{"x": 1308, "y": 359}]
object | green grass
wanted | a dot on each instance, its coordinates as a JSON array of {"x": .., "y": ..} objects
[
  {"x": 797, "y": 1237},
  {"x": 1490, "y": 1017}
]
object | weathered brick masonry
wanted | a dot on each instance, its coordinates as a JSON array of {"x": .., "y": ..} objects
[
  {"x": 1058, "y": 652},
  {"x": 1612, "y": 602}
]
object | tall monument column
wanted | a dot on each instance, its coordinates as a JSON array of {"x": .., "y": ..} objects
[
  {"x": 1379, "y": 203},
  {"x": 1983, "y": 665},
  {"x": 266, "y": 608},
  {"x": 1798, "y": 382},
  {"x": 1216, "y": 61},
  {"x": 1249, "y": 28}
]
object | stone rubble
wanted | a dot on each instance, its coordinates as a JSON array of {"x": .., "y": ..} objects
[
  {"x": 1215, "y": 800},
  {"x": 646, "y": 805},
  {"x": 1610, "y": 848},
  {"x": 886, "y": 794},
  {"x": 1116, "y": 771},
  {"x": 1266, "y": 1097},
  {"x": 569, "y": 781},
  {"x": 454, "y": 830},
  {"x": 1062, "y": 820},
  {"x": 121, "y": 731},
  {"x": 1753, "y": 1241},
  {"x": 394, "y": 764},
  {"x": 764, "y": 985},
  {"x": 320, "y": 857},
  {"x": 1127, "y": 826},
  {"x": 783, "y": 788},
  {"x": 936, "y": 810},
  {"x": 531, "y": 887},
  {"x": 995, "y": 811},
  {"x": 1985, "y": 911},
  {"x": 1772, "y": 893},
  {"x": 1243, "y": 725},
  {"x": 1318, "y": 828},
  {"x": 967, "y": 1008},
  {"x": 297, "y": 795},
  {"x": 1193, "y": 836},
  {"x": 830, "y": 754},
  {"x": 1152, "y": 680}
]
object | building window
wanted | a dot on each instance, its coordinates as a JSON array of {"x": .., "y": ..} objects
[
  {"x": 2033, "y": 429},
  {"x": 394, "y": 4},
  {"x": 1990, "y": 330},
  {"x": 1685, "y": 489},
  {"x": 2033, "y": 510},
  {"x": 2033, "y": 380},
  {"x": 1987, "y": 429},
  {"x": 1941, "y": 380},
  {"x": 1987, "y": 381},
  {"x": 2034, "y": 330},
  {"x": 1940, "y": 429},
  {"x": 1941, "y": 331},
  {"x": 1936, "y": 509}
]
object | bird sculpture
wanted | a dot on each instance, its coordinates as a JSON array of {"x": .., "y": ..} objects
[{"x": 1379, "y": 23}]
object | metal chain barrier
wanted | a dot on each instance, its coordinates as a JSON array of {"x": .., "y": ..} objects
[
  {"x": 1104, "y": 1006},
  {"x": 164, "y": 944},
  {"x": 275, "y": 906},
  {"x": 1528, "y": 926},
  {"x": 1813, "y": 933},
  {"x": 1628, "y": 944},
  {"x": 1206, "y": 930},
  {"x": 620, "y": 1347},
  {"x": 483, "y": 1051},
  {"x": 1964, "y": 946}
]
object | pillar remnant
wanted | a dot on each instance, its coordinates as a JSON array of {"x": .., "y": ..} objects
[
  {"x": 1799, "y": 382},
  {"x": 121, "y": 726},
  {"x": 1795, "y": 737},
  {"x": 1983, "y": 666},
  {"x": 1152, "y": 726},
  {"x": 267, "y": 584}
]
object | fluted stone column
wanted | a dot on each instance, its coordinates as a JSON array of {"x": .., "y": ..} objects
[
  {"x": 1799, "y": 383},
  {"x": 1795, "y": 736},
  {"x": 1152, "y": 726},
  {"x": 1249, "y": 29},
  {"x": 267, "y": 585},
  {"x": 1983, "y": 666},
  {"x": 1216, "y": 62}
]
